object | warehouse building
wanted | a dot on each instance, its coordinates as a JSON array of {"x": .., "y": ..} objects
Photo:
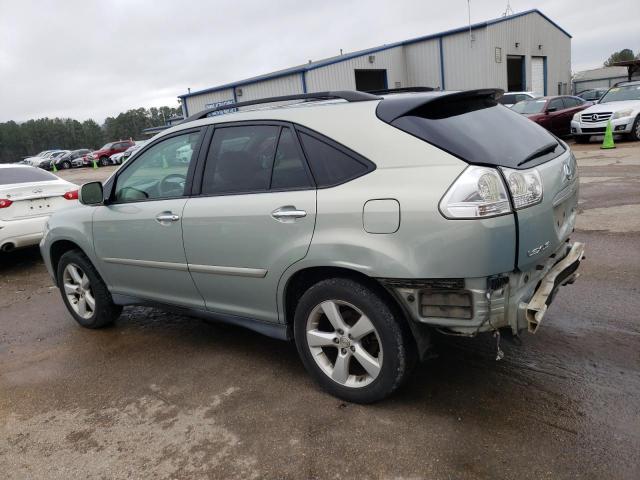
[
  {"x": 523, "y": 51},
  {"x": 603, "y": 77}
]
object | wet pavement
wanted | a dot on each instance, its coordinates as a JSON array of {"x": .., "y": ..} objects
[{"x": 169, "y": 397}]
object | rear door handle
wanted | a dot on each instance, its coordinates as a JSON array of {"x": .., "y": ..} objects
[
  {"x": 288, "y": 213},
  {"x": 166, "y": 217}
]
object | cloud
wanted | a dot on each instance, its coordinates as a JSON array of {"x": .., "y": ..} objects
[{"x": 93, "y": 59}]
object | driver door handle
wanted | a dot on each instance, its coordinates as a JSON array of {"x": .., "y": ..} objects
[
  {"x": 288, "y": 213},
  {"x": 165, "y": 217}
]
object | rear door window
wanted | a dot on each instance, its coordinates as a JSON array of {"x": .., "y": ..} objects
[
  {"x": 289, "y": 170},
  {"x": 240, "y": 159},
  {"x": 556, "y": 103},
  {"x": 331, "y": 164}
]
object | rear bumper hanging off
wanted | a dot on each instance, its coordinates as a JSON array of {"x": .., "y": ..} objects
[{"x": 562, "y": 273}]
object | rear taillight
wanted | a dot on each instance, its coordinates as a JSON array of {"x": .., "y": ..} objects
[
  {"x": 525, "y": 187},
  {"x": 478, "y": 192},
  {"x": 72, "y": 195},
  {"x": 5, "y": 202}
]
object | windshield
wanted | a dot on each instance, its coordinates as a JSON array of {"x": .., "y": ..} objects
[
  {"x": 529, "y": 106},
  {"x": 106, "y": 146},
  {"x": 619, "y": 94}
]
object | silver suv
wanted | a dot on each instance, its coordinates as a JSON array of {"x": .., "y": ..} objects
[{"x": 351, "y": 223}]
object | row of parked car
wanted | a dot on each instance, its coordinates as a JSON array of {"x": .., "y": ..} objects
[
  {"x": 113, "y": 153},
  {"x": 585, "y": 114}
]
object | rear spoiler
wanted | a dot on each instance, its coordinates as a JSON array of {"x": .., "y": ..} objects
[{"x": 391, "y": 109}]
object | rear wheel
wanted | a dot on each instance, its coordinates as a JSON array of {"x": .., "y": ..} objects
[
  {"x": 582, "y": 138},
  {"x": 84, "y": 292},
  {"x": 350, "y": 341},
  {"x": 66, "y": 164}
]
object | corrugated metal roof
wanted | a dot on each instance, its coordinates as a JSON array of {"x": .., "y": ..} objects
[
  {"x": 347, "y": 56},
  {"x": 600, "y": 73}
]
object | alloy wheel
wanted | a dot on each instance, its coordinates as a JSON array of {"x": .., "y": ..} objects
[
  {"x": 77, "y": 289},
  {"x": 344, "y": 343}
]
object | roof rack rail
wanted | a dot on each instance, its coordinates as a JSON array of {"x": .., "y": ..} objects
[
  {"x": 348, "y": 95},
  {"x": 385, "y": 91}
]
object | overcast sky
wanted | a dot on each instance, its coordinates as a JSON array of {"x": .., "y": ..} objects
[{"x": 91, "y": 59}]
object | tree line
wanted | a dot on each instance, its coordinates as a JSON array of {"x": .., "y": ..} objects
[{"x": 20, "y": 140}]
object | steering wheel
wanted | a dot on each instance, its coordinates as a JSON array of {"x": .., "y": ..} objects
[{"x": 168, "y": 188}]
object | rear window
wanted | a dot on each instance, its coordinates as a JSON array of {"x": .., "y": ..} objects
[
  {"x": 10, "y": 175},
  {"x": 478, "y": 130}
]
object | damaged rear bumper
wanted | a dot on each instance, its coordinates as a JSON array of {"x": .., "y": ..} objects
[
  {"x": 467, "y": 306},
  {"x": 562, "y": 273}
]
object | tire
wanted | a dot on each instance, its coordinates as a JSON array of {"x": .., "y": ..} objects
[
  {"x": 80, "y": 283},
  {"x": 340, "y": 341},
  {"x": 582, "y": 138},
  {"x": 66, "y": 165},
  {"x": 635, "y": 131},
  {"x": 104, "y": 161}
]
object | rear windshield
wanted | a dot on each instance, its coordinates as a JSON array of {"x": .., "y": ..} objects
[
  {"x": 480, "y": 131},
  {"x": 10, "y": 175}
]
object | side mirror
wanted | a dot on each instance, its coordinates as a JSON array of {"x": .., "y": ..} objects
[
  {"x": 551, "y": 109},
  {"x": 91, "y": 194}
]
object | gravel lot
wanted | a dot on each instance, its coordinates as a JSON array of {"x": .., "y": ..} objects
[{"x": 168, "y": 397}]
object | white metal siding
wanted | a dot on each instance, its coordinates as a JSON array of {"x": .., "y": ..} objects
[
  {"x": 423, "y": 64},
  {"x": 289, "y": 85},
  {"x": 537, "y": 75},
  {"x": 465, "y": 61},
  {"x": 341, "y": 76},
  {"x": 529, "y": 32}
]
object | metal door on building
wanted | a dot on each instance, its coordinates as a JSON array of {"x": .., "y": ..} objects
[{"x": 537, "y": 76}]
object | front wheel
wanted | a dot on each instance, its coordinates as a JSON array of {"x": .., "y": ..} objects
[
  {"x": 635, "y": 131},
  {"x": 66, "y": 165},
  {"x": 104, "y": 161},
  {"x": 351, "y": 341},
  {"x": 84, "y": 292}
]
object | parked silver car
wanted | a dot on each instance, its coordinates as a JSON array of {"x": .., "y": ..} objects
[{"x": 351, "y": 223}]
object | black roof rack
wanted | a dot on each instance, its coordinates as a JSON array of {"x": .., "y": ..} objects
[
  {"x": 348, "y": 95},
  {"x": 386, "y": 91}
]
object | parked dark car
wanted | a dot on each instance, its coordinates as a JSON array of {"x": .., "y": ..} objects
[
  {"x": 593, "y": 94},
  {"x": 66, "y": 161},
  {"x": 553, "y": 113},
  {"x": 102, "y": 155}
]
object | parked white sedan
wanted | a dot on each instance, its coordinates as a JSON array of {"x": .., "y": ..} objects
[{"x": 28, "y": 195}]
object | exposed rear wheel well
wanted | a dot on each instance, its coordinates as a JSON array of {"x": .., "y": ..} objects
[
  {"x": 301, "y": 281},
  {"x": 58, "y": 249}
]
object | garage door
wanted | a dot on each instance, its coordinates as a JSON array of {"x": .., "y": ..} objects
[{"x": 537, "y": 75}]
